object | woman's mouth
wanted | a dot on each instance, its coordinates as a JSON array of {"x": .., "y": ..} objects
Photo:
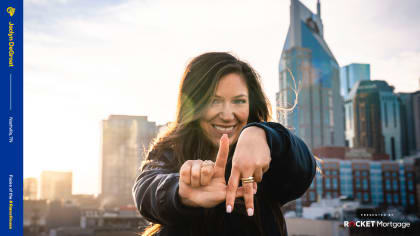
[{"x": 223, "y": 129}]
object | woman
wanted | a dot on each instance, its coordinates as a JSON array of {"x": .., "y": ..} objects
[{"x": 222, "y": 169}]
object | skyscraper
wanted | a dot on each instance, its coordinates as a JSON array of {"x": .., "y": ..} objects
[
  {"x": 318, "y": 116},
  {"x": 56, "y": 185},
  {"x": 352, "y": 73},
  {"x": 124, "y": 141},
  {"x": 373, "y": 119},
  {"x": 410, "y": 122}
]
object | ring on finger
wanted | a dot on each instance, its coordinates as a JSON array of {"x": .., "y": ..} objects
[{"x": 247, "y": 180}]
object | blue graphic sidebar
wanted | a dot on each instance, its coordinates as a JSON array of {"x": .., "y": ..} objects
[{"x": 11, "y": 117}]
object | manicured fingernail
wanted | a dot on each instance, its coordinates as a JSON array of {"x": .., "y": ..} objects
[
  {"x": 250, "y": 212},
  {"x": 255, "y": 190},
  {"x": 229, "y": 209}
]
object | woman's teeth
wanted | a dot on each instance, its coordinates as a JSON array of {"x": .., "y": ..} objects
[{"x": 224, "y": 129}]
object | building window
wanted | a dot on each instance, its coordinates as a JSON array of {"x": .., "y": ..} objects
[
  {"x": 388, "y": 198},
  {"x": 365, "y": 184},
  {"x": 311, "y": 196},
  {"x": 410, "y": 185},
  {"x": 347, "y": 115},
  {"x": 411, "y": 199},
  {"x": 358, "y": 183},
  {"x": 394, "y": 111},
  {"x": 327, "y": 183},
  {"x": 393, "y": 148},
  {"x": 396, "y": 198},
  {"x": 386, "y": 114},
  {"x": 335, "y": 184},
  {"x": 366, "y": 197},
  {"x": 351, "y": 119},
  {"x": 395, "y": 184},
  {"x": 387, "y": 184}
]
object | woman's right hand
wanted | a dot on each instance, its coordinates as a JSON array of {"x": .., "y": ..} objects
[{"x": 205, "y": 185}]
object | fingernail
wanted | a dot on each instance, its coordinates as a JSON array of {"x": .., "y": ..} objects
[
  {"x": 250, "y": 212},
  {"x": 255, "y": 190},
  {"x": 229, "y": 209}
]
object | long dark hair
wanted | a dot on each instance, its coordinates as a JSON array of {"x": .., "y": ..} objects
[{"x": 197, "y": 87}]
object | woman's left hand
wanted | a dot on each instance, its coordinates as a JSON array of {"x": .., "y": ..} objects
[{"x": 251, "y": 159}]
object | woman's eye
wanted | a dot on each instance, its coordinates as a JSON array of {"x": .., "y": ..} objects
[
  {"x": 239, "y": 101},
  {"x": 215, "y": 101}
]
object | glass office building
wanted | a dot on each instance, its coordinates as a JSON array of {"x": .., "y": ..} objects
[
  {"x": 308, "y": 65},
  {"x": 352, "y": 73},
  {"x": 373, "y": 118},
  {"x": 410, "y": 122}
]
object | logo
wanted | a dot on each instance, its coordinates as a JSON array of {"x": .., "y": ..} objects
[
  {"x": 11, "y": 11},
  {"x": 371, "y": 223}
]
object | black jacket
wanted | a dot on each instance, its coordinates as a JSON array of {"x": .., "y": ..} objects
[{"x": 292, "y": 169}]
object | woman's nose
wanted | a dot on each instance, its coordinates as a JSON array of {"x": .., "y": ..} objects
[{"x": 227, "y": 113}]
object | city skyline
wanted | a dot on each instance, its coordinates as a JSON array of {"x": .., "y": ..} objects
[{"x": 86, "y": 61}]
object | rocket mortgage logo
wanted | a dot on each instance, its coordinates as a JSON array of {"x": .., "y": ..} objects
[{"x": 378, "y": 223}]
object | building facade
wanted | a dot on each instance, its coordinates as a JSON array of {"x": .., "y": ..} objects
[
  {"x": 371, "y": 182},
  {"x": 125, "y": 140},
  {"x": 373, "y": 119},
  {"x": 35, "y": 214},
  {"x": 410, "y": 123},
  {"x": 30, "y": 189},
  {"x": 352, "y": 73},
  {"x": 56, "y": 186},
  {"x": 309, "y": 74}
]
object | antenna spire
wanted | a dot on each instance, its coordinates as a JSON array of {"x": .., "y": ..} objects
[{"x": 318, "y": 8}]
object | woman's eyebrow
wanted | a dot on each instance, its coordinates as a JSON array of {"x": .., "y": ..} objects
[
  {"x": 241, "y": 95},
  {"x": 237, "y": 96}
]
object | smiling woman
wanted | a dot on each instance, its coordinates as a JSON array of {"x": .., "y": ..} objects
[{"x": 222, "y": 168}]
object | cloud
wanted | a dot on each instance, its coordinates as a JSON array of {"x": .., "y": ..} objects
[{"x": 402, "y": 71}]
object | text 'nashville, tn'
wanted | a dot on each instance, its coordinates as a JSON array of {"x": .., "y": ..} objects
[{"x": 11, "y": 44}]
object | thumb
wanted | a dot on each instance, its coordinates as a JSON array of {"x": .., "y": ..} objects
[{"x": 222, "y": 156}]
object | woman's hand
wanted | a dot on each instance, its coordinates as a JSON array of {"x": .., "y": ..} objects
[
  {"x": 204, "y": 185},
  {"x": 251, "y": 159}
]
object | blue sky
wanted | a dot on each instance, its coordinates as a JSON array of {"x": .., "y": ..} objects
[{"x": 85, "y": 60}]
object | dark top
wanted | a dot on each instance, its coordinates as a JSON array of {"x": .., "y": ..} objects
[{"x": 291, "y": 171}]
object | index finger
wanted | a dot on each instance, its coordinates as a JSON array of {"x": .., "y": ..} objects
[{"x": 223, "y": 153}]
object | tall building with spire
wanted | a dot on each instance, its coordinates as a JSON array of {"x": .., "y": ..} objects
[{"x": 308, "y": 65}]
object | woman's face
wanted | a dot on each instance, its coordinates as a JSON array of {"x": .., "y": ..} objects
[{"x": 228, "y": 110}]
